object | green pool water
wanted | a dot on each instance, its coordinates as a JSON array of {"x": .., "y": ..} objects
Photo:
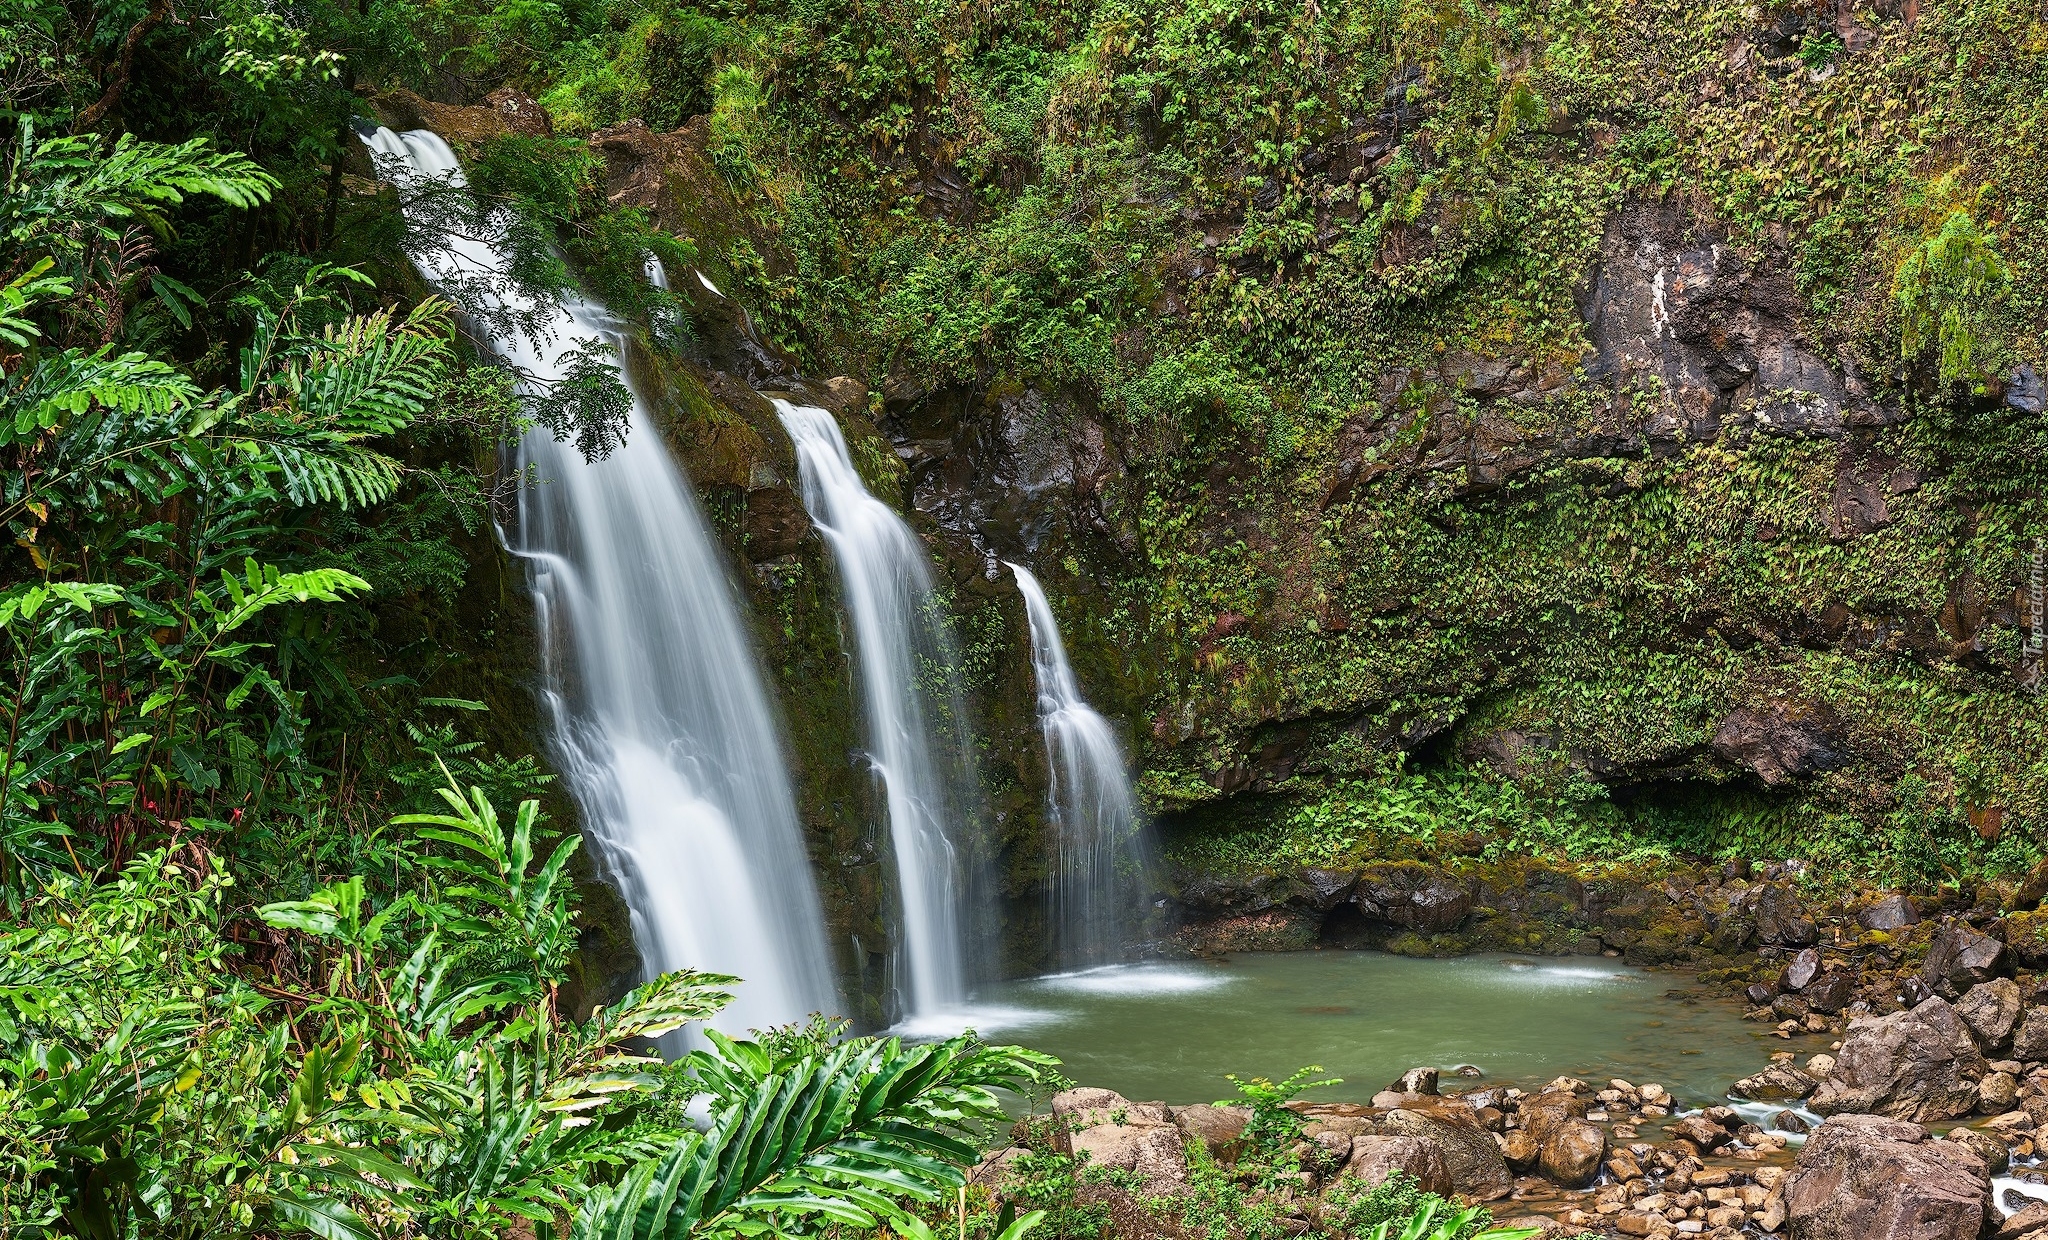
[{"x": 1168, "y": 1032}]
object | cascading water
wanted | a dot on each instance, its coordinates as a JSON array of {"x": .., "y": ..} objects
[
  {"x": 662, "y": 723},
  {"x": 1103, "y": 854},
  {"x": 900, "y": 639}
]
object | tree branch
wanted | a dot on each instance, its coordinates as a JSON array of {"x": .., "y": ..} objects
[{"x": 124, "y": 67}]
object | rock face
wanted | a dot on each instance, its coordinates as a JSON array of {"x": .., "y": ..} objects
[
  {"x": 1779, "y": 742},
  {"x": 1373, "y": 1159},
  {"x": 1862, "y": 1177},
  {"x": 1471, "y": 1155},
  {"x": 1781, "y": 919},
  {"x": 1991, "y": 1010},
  {"x": 1920, "y": 1065},
  {"x": 1960, "y": 958},
  {"x": 1414, "y": 897}
]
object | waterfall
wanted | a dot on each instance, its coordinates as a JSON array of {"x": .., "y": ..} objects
[
  {"x": 662, "y": 723},
  {"x": 904, "y": 664},
  {"x": 1102, "y": 852}
]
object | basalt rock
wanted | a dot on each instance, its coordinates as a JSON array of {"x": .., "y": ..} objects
[
  {"x": 1781, "y": 919},
  {"x": 1780, "y": 742},
  {"x": 1416, "y": 1081},
  {"x": 2030, "y": 1040},
  {"x": 1831, "y": 992},
  {"x": 1920, "y": 1065},
  {"x": 1894, "y": 912},
  {"x": 1413, "y": 897},
  {"x": 1991, "y": 1010},
  {"x": 1862, "y": 1177},
  {"x": 1960, "y": 958}
]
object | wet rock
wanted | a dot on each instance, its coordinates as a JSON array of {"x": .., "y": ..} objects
[
  {"x": 2025, "y": 391},
  {"x": 1831, "y": 992},
  {"x": 1520, "y": 1150},
  {"x": 1781, "y": 919},
  {"x": 1799, "y": 974},
  {"x": 1789, "y": 1121},
  {"x": 1472, "y": 1156},
  {"x": 1416, "y": 1081},
  {"x": 1219, "y": 1129},
  {"x": 1373, "y": 1159},
  {"x": 1759, "y": 995},
  {"x": 1779, "y": 742},
  {"x": 1894, "y": 912},
  {"x": 1988, "y": 1147},
  {"x": 2030, "y": 1040},
  {"x": 1779, "y": 1082},
  {"x": 2029, "y": 1218},
  {"x": 1572, "y": 1152},
  {"x": 1960, "y": 958},
  {"x": 1991, "y": 1010},
  {"x": 1414, "y": 897},
  {"x": 1918, "y": 1065},
  {"x": 1701, "y": 1131},
  {"x": 1861, "y": 1177},
  {"x": 1328, "y": 888}
]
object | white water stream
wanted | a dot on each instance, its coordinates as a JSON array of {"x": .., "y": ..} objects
[
  {"x": 904, "y": 660},
  {"x": 662, "y": 722},
  {"x": 1101, "y": 848}
]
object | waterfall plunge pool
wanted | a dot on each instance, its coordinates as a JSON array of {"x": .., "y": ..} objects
[{"x": 1169, "y": 1031}]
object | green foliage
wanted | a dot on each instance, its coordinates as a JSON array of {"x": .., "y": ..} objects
[
  {"x": 1948, "y": 290},
  {"x": 1273, "y": 1127},
  {"x": 1398, "y": 1209}
]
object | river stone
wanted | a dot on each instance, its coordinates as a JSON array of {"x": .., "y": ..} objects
[
  {"x": 1894, "y": 912},
  {"x": 1781, "y": 919},
  {"x": 1470, "y": 1153},
  {"x": 2028, "y": 1218},
  {"x": 1520, "y": 1150},
  {"x": 1960, "y": 958},
  {"x": 1862, "y": 1177},
  {"x": 1701, "y": 1131},
  {"x": 1572, "y": 1152},
  {"x": 1789, "y": 1121},
  {"x": 1997, "y": 1093},
  {"x": 1918, "y": 1065},
  {"x": 1416, "y": 1081},
  {"x": 1760, "y": 995},
  {"x": 1991, "y": 1009},
  {"x": 1988, "y": 1147},
  {"x": 2030, "y": 1040},
  {"x": 1831, "y": 992},
  {"x": 1373, "y": 1159},
  {"x": 1219, "y": 1129},
  {"x": 1799, "y": 974},
  {"x": 1781, "y": 1082}
]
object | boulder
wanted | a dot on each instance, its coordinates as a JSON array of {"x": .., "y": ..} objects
[
  {"x": 2030, "y": 1040},
  {"x": 1894, "y": 912},
  {"x": 1572, "y": 1152},
  {"x": 1990, "y": 1148},
  {"x": 1121, "y": 1135},
  {"x": 1473, "y": 1157},
  {"x": 2032, "y": 889},
  {"x": 1520, "y": 1150},
  {"x": 1219, "y": 1129},
  {"x": 1701, "y": 1131},
  {"x": 1918, "y": 1065},
  {"x": 1991, "y": 1009},
  {"x": 1779, "y": 742},
  {"x": 1328, "y": 888},
  {"x": 1781, "y": 1082},
  {"x": 1416, "y": 1081},
  {"x": 1412, "y": 896},
  {"x": 1997, "y": 1093},
  {"x": 1799, "y": 974},
  {"x": 1781, "y": 919},
  {"x": 2026, "y": 1219},
  {"x": 1960, "y": 958},
  {"x": 1373, "y": 1159},
  {"x": 1862, "y": 1177},
  {"x": 1156, "y": 1152},
  {"x": 1831, "y": 992},
  {"x": 1789, "y": 1120}
]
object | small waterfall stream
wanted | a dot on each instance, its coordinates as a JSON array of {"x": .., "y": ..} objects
[
  {"x": 904, "y": 660},
  {"x": 1103, "y": 854},
  {"x": 662, "y": 722}
]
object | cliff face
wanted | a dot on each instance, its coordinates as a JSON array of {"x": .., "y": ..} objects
[{"x": 1609, "y": 429}]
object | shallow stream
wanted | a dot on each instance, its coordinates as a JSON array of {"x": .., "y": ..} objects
[{"x": 1168, "y": 1032}]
